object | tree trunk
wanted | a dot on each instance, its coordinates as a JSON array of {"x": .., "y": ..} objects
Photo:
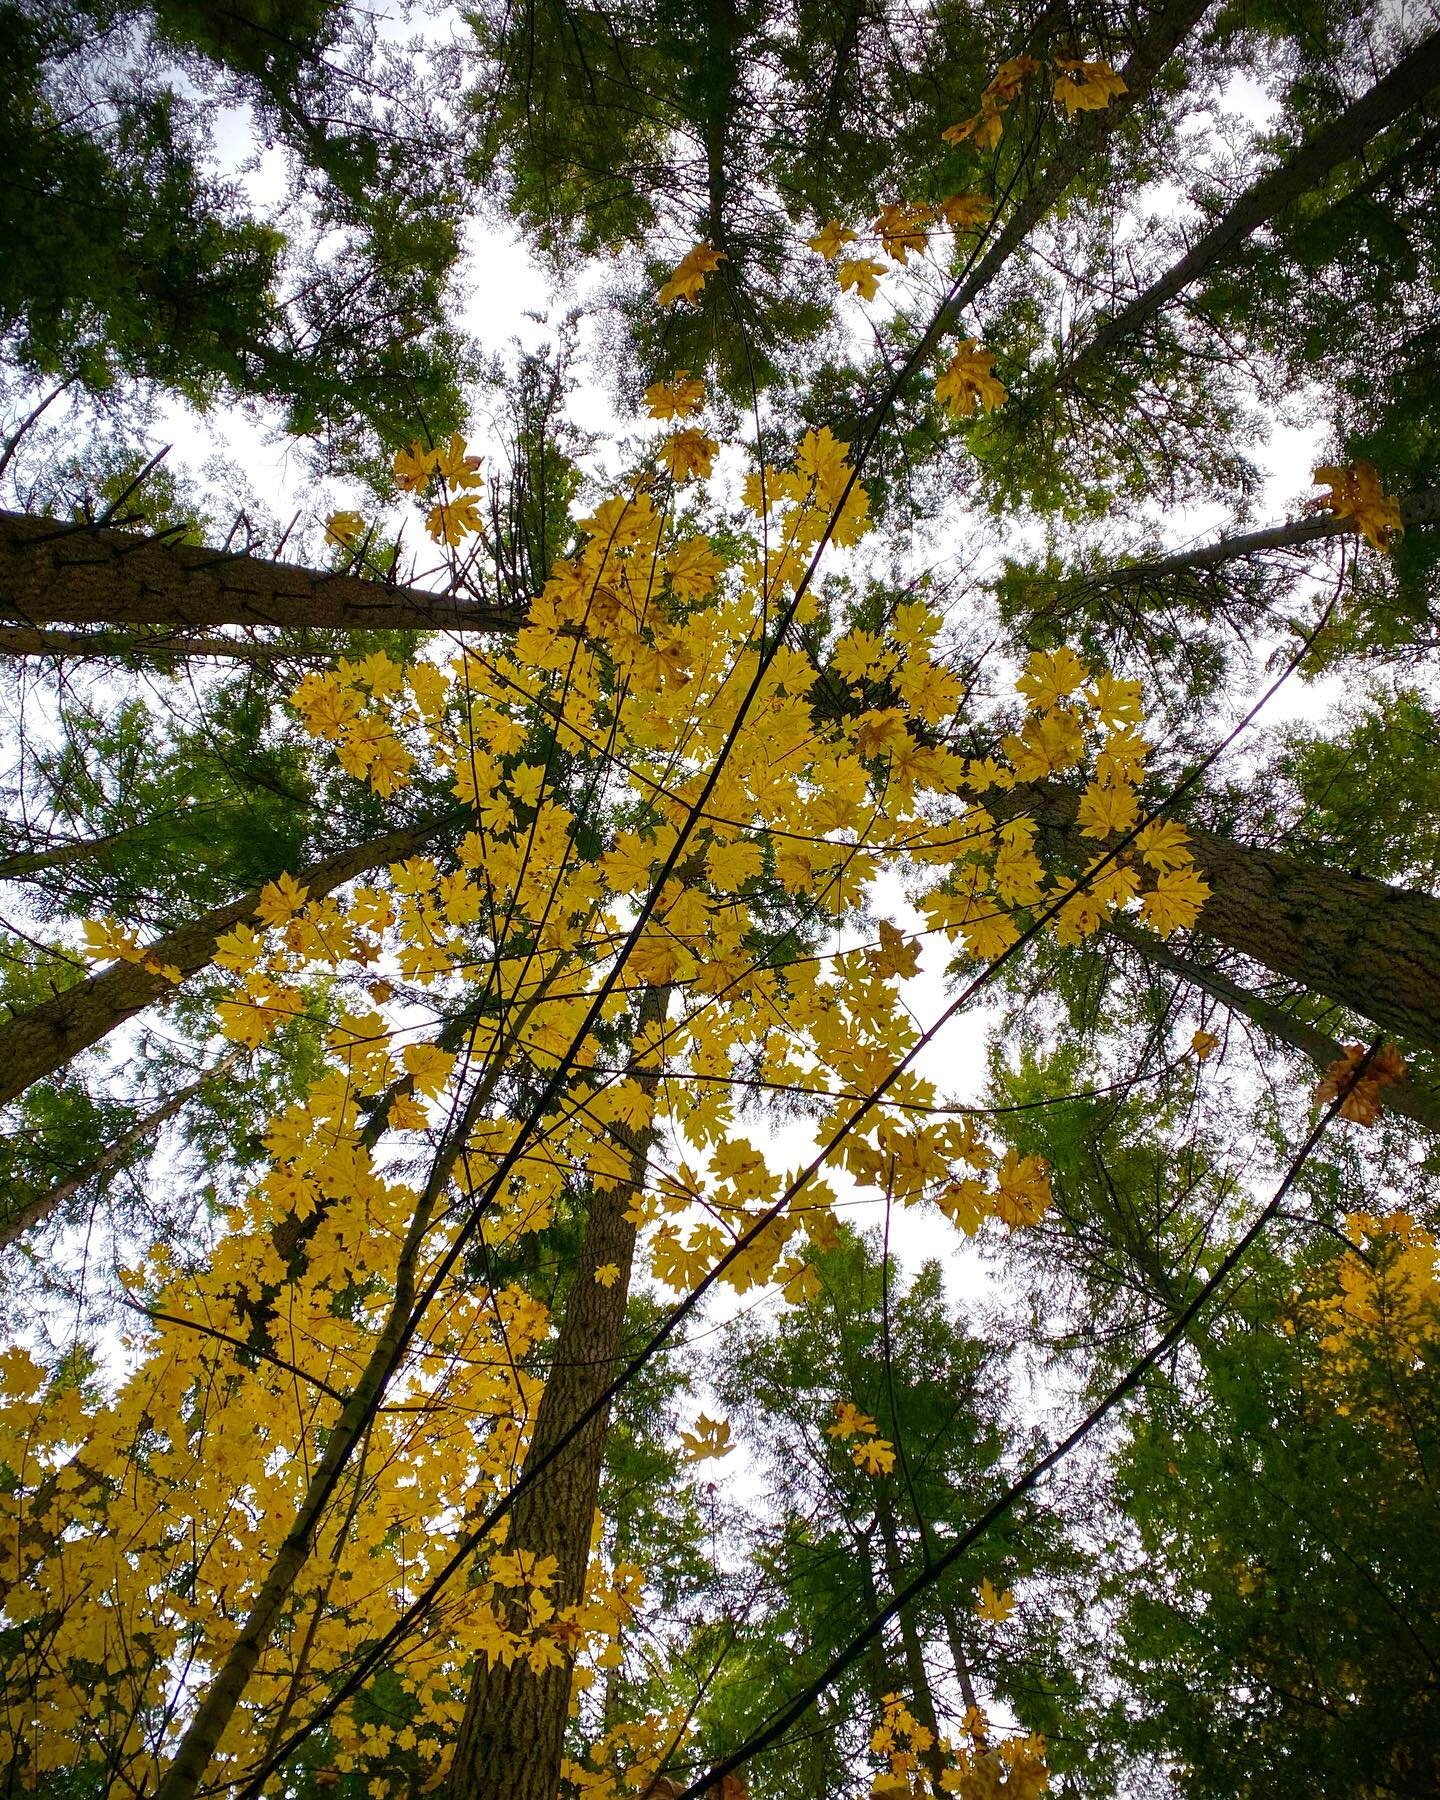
[
  {"x": 125, "y": 646},
  {"x": 916, "y": 1674},
  {"x": 20, "y": 863},
  {"x": 232, "y": 1673},
  {"x": 1373, "y": 948},
  {"x": 1406, "y": 1098},
  {"x": 58, "y": 573},
  {"x": 955, "y": 1638},
  {"x": 24, "y": 1211},
  {"x": 511, "y": 1739},
  {"x": 1415, "y": 510},
  {"x": 1406, "y": 86},
  {"x": 36, "y": 1043},
  {"x": 1084, "y": 138}
]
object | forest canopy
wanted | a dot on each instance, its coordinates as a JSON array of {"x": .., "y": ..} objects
[{"x": 721, "y": 1003}]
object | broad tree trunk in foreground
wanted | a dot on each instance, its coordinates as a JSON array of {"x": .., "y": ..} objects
[
  {"x": 36, "y": 1043},
  {"x": 54, "y": 572},
  {"x": 512, "y": 1736},
  {"x": 1372, "y": 947}
]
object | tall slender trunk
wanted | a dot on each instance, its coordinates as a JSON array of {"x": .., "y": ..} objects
[
  {"x": 36, "y": 1043},
  {"x": 1084, "y": 138},
  {"x": 1372, "y": 947},
  {"x": 958, "y": 1656},
  {"x": 55, "y": 572},
  {"x": 194, "y": 1752},
  {"x": 512, "y": 1735},
  {"x": 1406, "y": 1098},
  {"x": 916, "y": 1674},
  {"x": 24, "y": 1211},
  {"x": 1406, "y": 86},
  {"x": 877, "y": 1672}
]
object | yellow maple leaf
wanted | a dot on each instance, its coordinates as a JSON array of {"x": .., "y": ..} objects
[
  {"x": 709, "y": 1439},
  {"x": 896, "y": 954},
  {"x": 1358, "y": 496},
  {"x": 687, "y": 279},
  {"x": 413, "y": 467},
  {"x": 607, "y": 1274},
  {"x": 1051, "y": 676},
  {"x": 996, "y": 1607},
  {"x": 458, "y": 469},
  {"x": 688, "y": 454},
  {"x": 985, "y": 126},
  {"x": 900, "y": 228},
  {"x": 849, "y": 1421},
  {"x": 428, "y": 1066},
  {"x": 831, "y": 239},
  {"x": 1105, "y": 809},
  {"x": 1204, "y": 1044},
  {"x": 1008, "y": 79},
  {"x": 1164, "y": 844},
  {"x": 966, "y": 212},
  {"x": 861, "y": 273},
  {"x": 968, "y": 381},
  {"x": 1174, "y": 903},
  {"x": 677, "y": 398},
  {"x": 1086, "y": 85},
  {"x": 451, "y": 521},
  {"x": 280, "y": 900},
  {"x": 875, "y": 1456},
  {"x": 1362, "y": 1102},
  {"x": 345, "y": 528}
]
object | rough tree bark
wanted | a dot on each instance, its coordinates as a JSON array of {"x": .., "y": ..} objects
[
  {"x": 1373, "y": 947},
  {"x": 57, "y": 573},
  {"x": 36, "y": 1043},
  {"x": 512, "y": 1736}
]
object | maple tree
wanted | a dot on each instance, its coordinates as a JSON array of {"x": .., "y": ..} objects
[{"x": 649, "y": 842}]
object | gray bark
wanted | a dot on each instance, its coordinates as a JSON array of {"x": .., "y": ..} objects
[{"x": 57, "y": 573}]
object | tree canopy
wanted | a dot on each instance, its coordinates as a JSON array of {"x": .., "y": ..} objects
[{"x": 742, "y": 1104}]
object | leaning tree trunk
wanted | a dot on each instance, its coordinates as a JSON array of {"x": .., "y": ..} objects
[
  {"x": 512, "y": 1736},
  {"x": 1165, "y": 30},
  {"x": 1415, "y": 510},
  {"x": 1372, "y": 947},
  {"x": 22, "y": 1211},
  {"x": 36, "y": 1043},
  {"x": 1405, "y": 87},
  {"x": 56, "y": 572},
  {"x": 1405, "y": 1098}
]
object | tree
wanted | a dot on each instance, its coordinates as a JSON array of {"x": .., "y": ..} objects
[
  {"x": 135, "y": 261},
  {"x": 340, "y": 1500},
  {"x": 876, "y": 1361}
]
